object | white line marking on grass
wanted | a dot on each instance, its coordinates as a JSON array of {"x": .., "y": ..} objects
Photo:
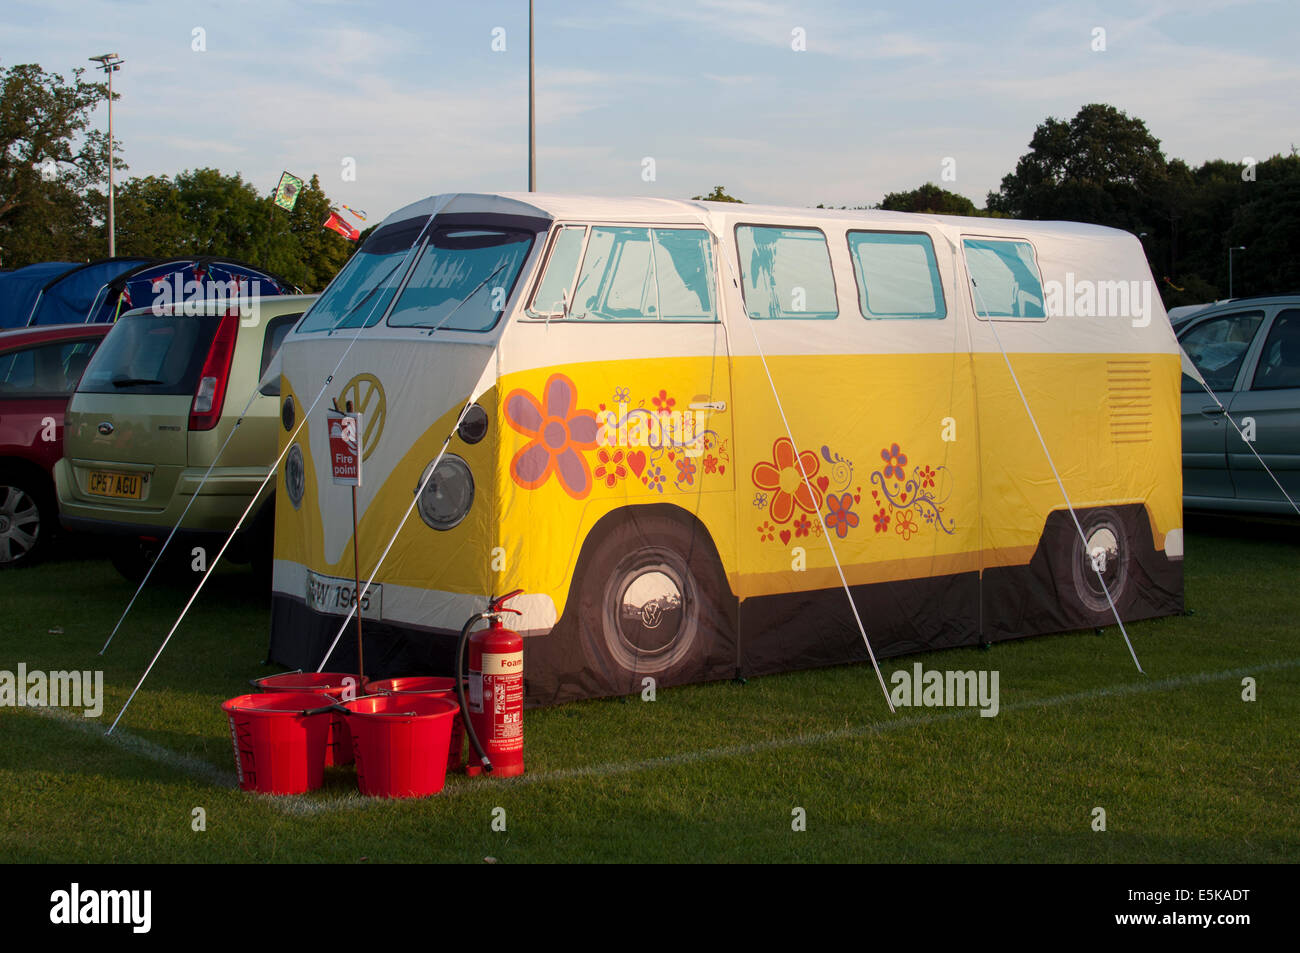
[
  {"x": 307, "y": 805},
  {"x": 879, "y": 728},
  {"x": 195, "y": 767}
]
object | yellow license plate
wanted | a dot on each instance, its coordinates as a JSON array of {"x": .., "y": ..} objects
[{"x": 126, "y": 486}]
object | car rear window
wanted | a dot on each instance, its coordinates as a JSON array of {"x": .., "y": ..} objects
[{"x": 151, "y": 354}]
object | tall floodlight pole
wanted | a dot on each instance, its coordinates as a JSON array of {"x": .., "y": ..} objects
[
  {"x": 532, "y": 109},
  {"x": 110, "y": 63},
  {"x": 1230, "y": 251}
]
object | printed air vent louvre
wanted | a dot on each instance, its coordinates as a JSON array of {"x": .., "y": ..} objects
[{"x": 1128, "y": 400}]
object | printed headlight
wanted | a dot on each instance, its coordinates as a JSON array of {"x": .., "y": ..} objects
[
  {"x": 474, "y": 426},
  {"x": 448, "y": 494},
  {"x": 294, "y": 475}
]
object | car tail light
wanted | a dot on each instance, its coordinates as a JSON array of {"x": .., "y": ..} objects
[{"x": 210, "y": 395}]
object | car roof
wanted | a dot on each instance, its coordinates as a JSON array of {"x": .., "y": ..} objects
[
  {"x": 210, "y": 307},
  {"x": 22, "y": 337}
]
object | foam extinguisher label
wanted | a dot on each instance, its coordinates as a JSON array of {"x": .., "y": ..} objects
[{"x": 503, "y": 677}]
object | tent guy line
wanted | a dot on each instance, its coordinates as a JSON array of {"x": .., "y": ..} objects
[
  {"x": 1051, "y": 463},
  {"x": 798, "y": 458},
  {"x": 218, "y": 777},
  {"x": 1191, "y": 370},
  {"x": 303, "y": 805},
  {"x": 270, "y": 473}
]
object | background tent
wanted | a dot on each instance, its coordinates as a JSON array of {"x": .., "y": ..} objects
[
  {"x": 67, "y": 298},
  {"x": 19, "y": 290},
  {"x": 142, "y": 285}
]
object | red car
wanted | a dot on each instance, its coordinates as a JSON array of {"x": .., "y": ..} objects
[{"x": 39, "y": 370}]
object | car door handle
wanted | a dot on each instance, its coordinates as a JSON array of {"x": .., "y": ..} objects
[
  {"x": 1213, "y": 410},
  {"x": 718, "y": 405}
]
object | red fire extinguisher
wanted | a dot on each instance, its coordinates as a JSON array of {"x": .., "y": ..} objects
[{"x": 494, "y": 711}]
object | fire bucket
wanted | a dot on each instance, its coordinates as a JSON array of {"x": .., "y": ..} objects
[
  {"x": 401, "y": 743},
  {"x": 436, "y": 687},
  {"x": 279, "y": 740},
  {"x": 334, "y": 684}
]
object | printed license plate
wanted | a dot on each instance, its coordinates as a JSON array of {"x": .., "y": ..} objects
[
  {"x": 334, "y": 596},
  {"x": 126, "y": 486}
]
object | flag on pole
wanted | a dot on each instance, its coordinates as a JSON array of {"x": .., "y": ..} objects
[
  {"x": 286, "y": 193},
  {"x": 340, "y": 225}
]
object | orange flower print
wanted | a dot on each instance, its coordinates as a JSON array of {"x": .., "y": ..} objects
[
  {"x": 906, "y": 525},
  {"x": 663, "y": 403},
  {"x": 767, "y": 532},
  {"x": 559, "y": 432},
  {"x": 611, "y": 467},
  {"x": 783, "y": 480}
]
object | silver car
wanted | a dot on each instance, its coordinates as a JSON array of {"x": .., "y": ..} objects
[{"x": 1248, "y": 351}]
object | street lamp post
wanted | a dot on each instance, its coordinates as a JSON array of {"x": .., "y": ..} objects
[
  {"x": 532, "y": 109},
  {"x": 110, "y": 63},
  {"x": 1230, "y": 251}
]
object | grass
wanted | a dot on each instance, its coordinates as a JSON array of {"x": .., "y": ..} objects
[{"x": 1184, "y": 768}]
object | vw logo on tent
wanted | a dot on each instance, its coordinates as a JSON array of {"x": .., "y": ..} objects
[{"x": 367, "y": 397}]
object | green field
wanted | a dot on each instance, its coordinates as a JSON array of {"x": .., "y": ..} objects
[{"x": 1185, "y": 770}]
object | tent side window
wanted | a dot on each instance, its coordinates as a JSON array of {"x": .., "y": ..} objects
[
  {"x": 898, "y": 275},
  {"x": 554, "y": 293},
  {"x": 786, "y": 273},
  {"x": 1006, "y": 279},
  {"x": 645, "y": 274}
]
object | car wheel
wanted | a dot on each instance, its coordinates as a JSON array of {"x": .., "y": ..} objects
[
  {"x": 27, "y": 520},
  {"x": 652, "y": 603}
]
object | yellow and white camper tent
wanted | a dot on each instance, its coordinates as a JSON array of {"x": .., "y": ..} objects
[{"x": 713, "y": 439}]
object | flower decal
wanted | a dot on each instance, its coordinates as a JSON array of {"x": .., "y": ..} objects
[
  {"x": 621, "y": 395},
  {"x": 927, "y": 476},
  {"x": 767, "y": 532},
  {"x": 611, "y": 466},
  {"x": 839, "y": 514},
  {"x": 895, "y": 460},
  {"x": 663, "y": 403},
  {"x": 710, "y": 464},
  {"x": 802, "y": 526},
  {"x": 685, "y": 471},
  {"x": 655, "y": 478},
  {"x": 882, "y": 521},
  {"x": 906, "y": 525},
  {"x": 560, "y": 433},
  {"x": 783, "y": 479}
]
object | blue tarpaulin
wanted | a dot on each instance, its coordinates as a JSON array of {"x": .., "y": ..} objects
[
  {"x": 67, "y": 299},
  {"x": 20, "y": 288}
]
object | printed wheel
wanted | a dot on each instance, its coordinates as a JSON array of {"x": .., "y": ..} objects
[
  {"x": 652, "y": 603},
  {"x": 1109, "y": 553},
  {"x": 27, "y": 520}
]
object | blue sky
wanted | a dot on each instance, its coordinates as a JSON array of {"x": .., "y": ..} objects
[{"x": 712, "y": 91}]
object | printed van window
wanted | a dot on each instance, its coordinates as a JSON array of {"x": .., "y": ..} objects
[
  {"x": 646, "y": 274},
  {"x": 1006, "y": 279},
  {"x": 365, "y": 286},
  {"x": 553, "y": 294},
  {"x": 897, "y": 274},
  {"x": 786, "y": 273},
  {"x": 462, "y": 279}
]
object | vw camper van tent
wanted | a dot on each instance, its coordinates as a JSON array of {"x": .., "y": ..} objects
[{"x": 677, "y": 426}]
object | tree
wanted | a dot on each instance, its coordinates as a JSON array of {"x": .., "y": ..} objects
[
  {"x": 1101, "y": 167},
  {"x": 49, "y": 163},
  {"x": 931, "y": 199},
  {"x": 717, "y": 195}
]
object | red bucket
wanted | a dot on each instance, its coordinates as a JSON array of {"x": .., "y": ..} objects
[
  {"x": 278, "y": 748},
  {"x": 334, "y": 684},
  {"x": 437, "y": 687},
  {"x": 401, "y": 743}
]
